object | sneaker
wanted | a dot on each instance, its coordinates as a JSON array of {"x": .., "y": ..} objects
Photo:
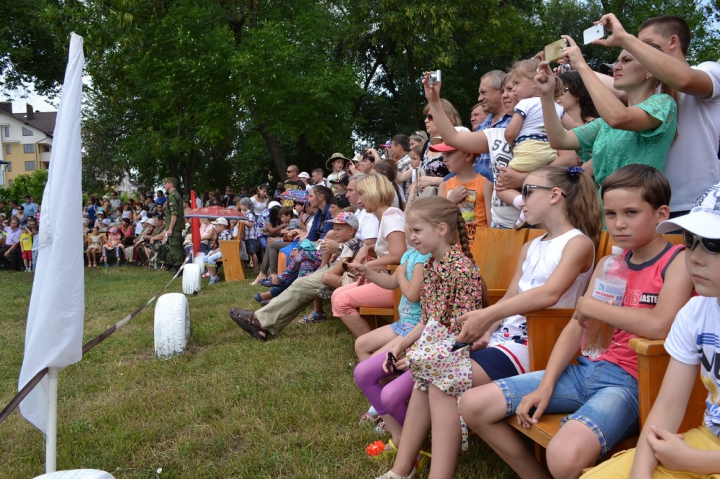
[
  {"x": 117, "y": 265},
  {"x": 106, "y": 265},
  {"x": 214, "y": 279},
  {"x": 325, "y": 292}
]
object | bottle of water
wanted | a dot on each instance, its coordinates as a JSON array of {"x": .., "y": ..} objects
[{"x": 610, "y": 284}]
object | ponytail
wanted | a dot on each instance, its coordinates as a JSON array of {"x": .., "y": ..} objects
[
  {"x": 464, "y": 241},
  {"x": 583, "y": 204}
]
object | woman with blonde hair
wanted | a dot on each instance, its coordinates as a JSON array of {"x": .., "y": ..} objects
[{"x": 376, "y": 196}]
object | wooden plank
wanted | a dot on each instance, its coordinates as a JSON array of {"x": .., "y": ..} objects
[
  {"x": 543, "y": 329},
  {"x": 232, "y": 262},
  {"x": 496, "y": 253}
]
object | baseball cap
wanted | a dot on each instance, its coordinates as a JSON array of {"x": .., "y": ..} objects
[
  {"x": 220, "y": 221},
  {"x": 151, "y": 221},
  {"x": 304, "y": 174},
  {"x": 246, "y": 201},
  {"x": 273, "y": 203},
  {"x": 387, "y": 144},
  {"x": 703, "y": 219},
  {"x": 346, "y": 218},
  {"x": 442, "y": 147}
]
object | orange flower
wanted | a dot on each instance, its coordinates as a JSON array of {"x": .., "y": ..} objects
[{"x": 375, "y": 449}]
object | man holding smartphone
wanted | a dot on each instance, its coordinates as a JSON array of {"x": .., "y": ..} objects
[{"x": 661, "y": 46}]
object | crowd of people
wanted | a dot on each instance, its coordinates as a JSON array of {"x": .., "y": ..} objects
[{"x": 567, "y": 151}]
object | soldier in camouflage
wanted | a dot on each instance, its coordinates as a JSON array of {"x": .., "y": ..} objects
[{"x": 175, "y": 220}]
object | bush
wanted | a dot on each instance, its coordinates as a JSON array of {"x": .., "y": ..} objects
[{"x": 32, "y": 184}]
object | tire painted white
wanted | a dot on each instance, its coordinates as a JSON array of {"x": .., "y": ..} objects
[
  {"x": 77, "y": 474},
  {"x": 191, "y": 279},
  {"x": 172, "y": 325},
  {"x": 199, "y": 261}
]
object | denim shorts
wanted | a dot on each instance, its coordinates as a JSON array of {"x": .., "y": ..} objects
[
  {"x": 599, "y": 394},
  {"x": 251, "y": 246},
  {"x": 402, "y": 328}
]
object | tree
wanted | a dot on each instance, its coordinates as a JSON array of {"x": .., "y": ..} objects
[{"x": 32, "y": 184}]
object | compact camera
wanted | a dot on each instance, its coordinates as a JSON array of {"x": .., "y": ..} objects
[{"x": 435, "y": 77}]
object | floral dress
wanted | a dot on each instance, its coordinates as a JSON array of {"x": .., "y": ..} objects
[{"x": 447, "y": 292}]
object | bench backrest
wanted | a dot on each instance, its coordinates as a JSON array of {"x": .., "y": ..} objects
[{"x": 496, "y": 252}]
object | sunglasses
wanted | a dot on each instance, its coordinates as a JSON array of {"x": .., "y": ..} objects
[
  {"x": 429, "y": 116},
  {"x": 527, "y": 189},
  {"x": 691, "y": 241}
]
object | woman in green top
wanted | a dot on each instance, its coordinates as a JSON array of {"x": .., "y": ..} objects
[{"x": 638, "y": 133}]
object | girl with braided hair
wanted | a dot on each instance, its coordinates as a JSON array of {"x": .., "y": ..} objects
[{"x": 553, "y": 271}]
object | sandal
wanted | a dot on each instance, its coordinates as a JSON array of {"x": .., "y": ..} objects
[
  {"x": 369, "y": 416},
  {"x": 392, "y": 475},
  {"x": 313, "y": 317},
  {"x": 249, "y": 323},
  {"x": 325, "y": 292},
  {"x": 260, "y": 300}
]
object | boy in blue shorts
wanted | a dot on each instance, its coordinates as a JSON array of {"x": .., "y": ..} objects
[
  {"x": 694, "y": 340},
  {"x": 600, "y": 394}
]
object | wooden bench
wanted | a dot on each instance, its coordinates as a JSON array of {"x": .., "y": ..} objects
[
  {"x": 544, "y": 327},
  {"x": 231, "y": 259}
]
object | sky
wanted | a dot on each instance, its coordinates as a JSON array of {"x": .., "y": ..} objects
[{"x": 21, "y": 98}]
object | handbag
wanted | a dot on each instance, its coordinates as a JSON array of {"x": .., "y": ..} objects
[{"x": 433, "y": 361}]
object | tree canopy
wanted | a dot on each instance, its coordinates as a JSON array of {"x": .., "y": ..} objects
[{"x": 221, "y": 92}]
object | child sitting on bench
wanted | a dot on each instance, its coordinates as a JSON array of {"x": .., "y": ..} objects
[
  {"x": 693, "y": 341},
  {"x": 600, "y": 394}
]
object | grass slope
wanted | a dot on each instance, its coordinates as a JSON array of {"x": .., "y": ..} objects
[{"x": 229, "y": 407}]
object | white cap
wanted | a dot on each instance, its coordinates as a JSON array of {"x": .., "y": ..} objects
[
  {"x": 703, "y": 219},
  {"x": 220, "y": 221},
  {"x": 304, "y": 174},
  {"x": 273, "y": 203}
]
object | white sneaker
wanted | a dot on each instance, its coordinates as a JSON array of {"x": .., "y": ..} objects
[{"x": 392, "y": 475}]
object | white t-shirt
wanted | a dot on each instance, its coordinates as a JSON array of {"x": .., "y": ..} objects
[
  {"x": 695, "y": 339},
  {"x": 258, "y": 206},
  {"x": 541, "y": 260},
  {"x": 533, "y": 127},
  {"x": 368, "y": 225},
  {"x": 500, "y": 155},
  {"x": 691, "y": 166},
  {"x": 392, "y": 220},
  {"x": 334, "y": 176}
]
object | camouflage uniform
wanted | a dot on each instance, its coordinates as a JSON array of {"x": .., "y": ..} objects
[{"x": 174, "y": 207}]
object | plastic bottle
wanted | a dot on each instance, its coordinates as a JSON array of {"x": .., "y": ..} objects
[{"x": 610, "y": 284}]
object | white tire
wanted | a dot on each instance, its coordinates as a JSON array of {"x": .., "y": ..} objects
[
  {"x": 199, "y": 261},
  {"x": 191, "y": 279},
  {"x": 172, "y": 325},
  {"x": 77, "y": 474}
]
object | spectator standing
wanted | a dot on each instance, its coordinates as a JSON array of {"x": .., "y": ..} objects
[
  {"x": 477, "y": 116},
  {"x": 317, "y": 178},
  {"x": 21, "y": 216},
  {"x": 11, "y": 251},
  {"x": 661, "y": 47},
  {"x": 31, "y": 208},
  {"x": 175, "y": 224},
  {"x": 160, "y": 198},
  {"x": 489, "y": 96},
  {"x": 115, "y": 202},
  {"x": 336, "y": 163},
  {"x": 400, "y": 154},
  {"x": 26, "y": 244},
  {"x": 260, "y": 200},
  {"x": 292, "y": 183}
]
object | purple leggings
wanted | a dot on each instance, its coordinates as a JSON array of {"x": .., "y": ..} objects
[{"x": 389, "y": 399}]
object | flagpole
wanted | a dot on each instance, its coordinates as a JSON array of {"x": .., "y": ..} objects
[{"x": 51, "y": 436}]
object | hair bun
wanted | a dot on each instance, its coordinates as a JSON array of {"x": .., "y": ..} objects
[{"x": 575, "y": 171}]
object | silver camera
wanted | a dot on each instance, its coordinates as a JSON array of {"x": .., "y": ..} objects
[{"x": 435, "y": 77}]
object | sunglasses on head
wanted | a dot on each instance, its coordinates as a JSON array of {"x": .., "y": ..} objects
[
  {"x": 527, "y": 189},
  {"x": 691, "y": 241}
]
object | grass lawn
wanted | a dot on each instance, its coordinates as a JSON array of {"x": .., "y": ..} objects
[{"x": 229, "y": 407}]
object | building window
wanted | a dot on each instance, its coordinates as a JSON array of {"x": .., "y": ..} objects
[
  {"x": 29, "y": 148},
  {"x": 29, "y": 166},
  {"x": 10, "y": 183},
  {"x": 6, "y": 130},
  {"x": 7, "y": 149},
  {"x": 9, "y": 166},
  {"x": 27, "y": 132}
]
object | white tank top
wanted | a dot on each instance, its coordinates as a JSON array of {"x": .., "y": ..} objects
[{"x": 541, "y": 260}]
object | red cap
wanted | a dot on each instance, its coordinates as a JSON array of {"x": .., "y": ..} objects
[{"x": 442, "y": 148}]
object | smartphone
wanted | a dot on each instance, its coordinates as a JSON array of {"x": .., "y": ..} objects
[
  {"x": 595, "y": 32},
  {"x": 553, "y": 51},
  {"x": 457, "y": 346},
  {"x": 392, "y": 359}
]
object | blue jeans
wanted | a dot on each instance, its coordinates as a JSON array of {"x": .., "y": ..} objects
[{"x": 602, "y": 395}]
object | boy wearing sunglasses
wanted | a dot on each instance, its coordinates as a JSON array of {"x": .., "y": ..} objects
[
  {"x": 600, "y": 394},
  {"x": 694, "y": 340}
]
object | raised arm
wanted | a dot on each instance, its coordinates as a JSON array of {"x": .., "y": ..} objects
[
  {"x": 558, "y": 138},
  {"x": 668, "y": 69},
  {"x": 611, "y": 109},
  {"x": 469, "y": 141}
]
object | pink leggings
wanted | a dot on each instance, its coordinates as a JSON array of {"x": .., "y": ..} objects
[
  {"x": 346, "y": 300},
  {"x": 389, "y": 399}
]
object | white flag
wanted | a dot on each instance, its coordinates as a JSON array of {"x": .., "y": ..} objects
[{"x": 54, "y": 333}]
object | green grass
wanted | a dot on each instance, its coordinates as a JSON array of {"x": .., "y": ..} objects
[{"x": 231, "y": 406}]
